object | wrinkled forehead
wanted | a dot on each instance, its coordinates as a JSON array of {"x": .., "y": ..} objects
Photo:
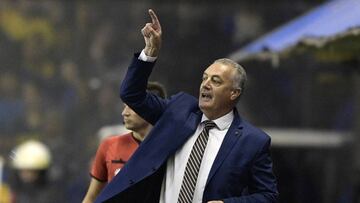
[{"x": 221, "y": 70}]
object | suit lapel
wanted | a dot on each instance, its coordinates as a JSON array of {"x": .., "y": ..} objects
[
  {"x": 228, "y": 143},
  {"x": 187, "y": 130},
  {"x": 192, "y": 123}
]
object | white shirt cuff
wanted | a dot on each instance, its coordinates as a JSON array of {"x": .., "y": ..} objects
[{"x": 143, "y": 57}]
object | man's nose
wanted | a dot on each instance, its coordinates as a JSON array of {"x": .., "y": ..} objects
[
  {"x": 125, "y": 112},
  {"x": 206, "y": 84}
]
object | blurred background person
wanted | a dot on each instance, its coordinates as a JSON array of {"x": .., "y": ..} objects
[
  {"x": 115, "y": 151},
  {"x": 31, "y": 182}
]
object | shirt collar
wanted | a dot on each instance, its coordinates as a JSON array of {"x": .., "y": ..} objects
[{"x": 223, "y": 122}]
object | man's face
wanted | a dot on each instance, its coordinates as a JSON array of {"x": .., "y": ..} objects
[
  {"x": 217, "y": 95},
  {"x": 29, "y": 175},
  {"x": 132, "y": 120}
]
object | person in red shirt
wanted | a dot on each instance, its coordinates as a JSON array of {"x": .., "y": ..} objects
[{"x": 115, "y": 151}]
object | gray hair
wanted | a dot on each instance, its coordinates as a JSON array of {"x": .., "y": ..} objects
[{"x": 240, "y": 77}]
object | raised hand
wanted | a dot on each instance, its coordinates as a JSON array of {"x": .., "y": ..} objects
[{"x": 152, "y": 35}]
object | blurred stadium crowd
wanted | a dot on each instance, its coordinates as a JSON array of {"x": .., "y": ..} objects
[{"x": 45, "y": 95}]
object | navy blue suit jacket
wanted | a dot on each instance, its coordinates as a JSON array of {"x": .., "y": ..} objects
[{"x": 241, "y": 172}]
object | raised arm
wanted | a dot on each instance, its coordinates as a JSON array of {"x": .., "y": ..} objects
[
  {"x": 152, "y": 35},
  {"x": 133, "y": 88}
]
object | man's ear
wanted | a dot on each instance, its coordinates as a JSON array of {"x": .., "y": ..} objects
[{"x": 235, "y": 94}]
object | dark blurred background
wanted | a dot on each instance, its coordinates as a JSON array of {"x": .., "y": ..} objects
[{"x": 61, "y": 63}]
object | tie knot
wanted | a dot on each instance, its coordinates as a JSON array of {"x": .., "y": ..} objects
[{"x": 209, "y": 124}]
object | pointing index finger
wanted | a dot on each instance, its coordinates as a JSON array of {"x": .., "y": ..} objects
[{"x": 154, "y": 18}]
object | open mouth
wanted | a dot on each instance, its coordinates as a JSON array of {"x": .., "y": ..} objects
[{"x": 206, "y": 96}]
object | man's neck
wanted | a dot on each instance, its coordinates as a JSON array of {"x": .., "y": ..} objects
[
  {"x": 212, "y": 116},
  {"x": 140, "y": 134}
]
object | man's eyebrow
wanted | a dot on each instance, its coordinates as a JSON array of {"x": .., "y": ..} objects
[
  {"x": 216, "y": 76},
  {"x": 213, "y": 76}
]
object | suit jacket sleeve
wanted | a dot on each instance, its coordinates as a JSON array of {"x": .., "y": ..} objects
[
  {"x": 133, "y": 91},
  {"x": 262, "y": 186}
]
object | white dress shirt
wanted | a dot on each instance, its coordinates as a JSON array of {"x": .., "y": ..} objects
[
  {"x": 176, "y": 164},
  {"x": 144, "y": 57}
]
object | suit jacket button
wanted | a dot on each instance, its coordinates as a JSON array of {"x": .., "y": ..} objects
[
  {"x": 153, "y": 169},
  {"x": 131, "y": 182}
]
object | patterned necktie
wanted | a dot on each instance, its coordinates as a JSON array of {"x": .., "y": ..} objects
[{"x": 193, "y": 165}]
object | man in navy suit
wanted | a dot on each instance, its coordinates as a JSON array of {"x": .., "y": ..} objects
[{"x": 235, "y": 164}]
